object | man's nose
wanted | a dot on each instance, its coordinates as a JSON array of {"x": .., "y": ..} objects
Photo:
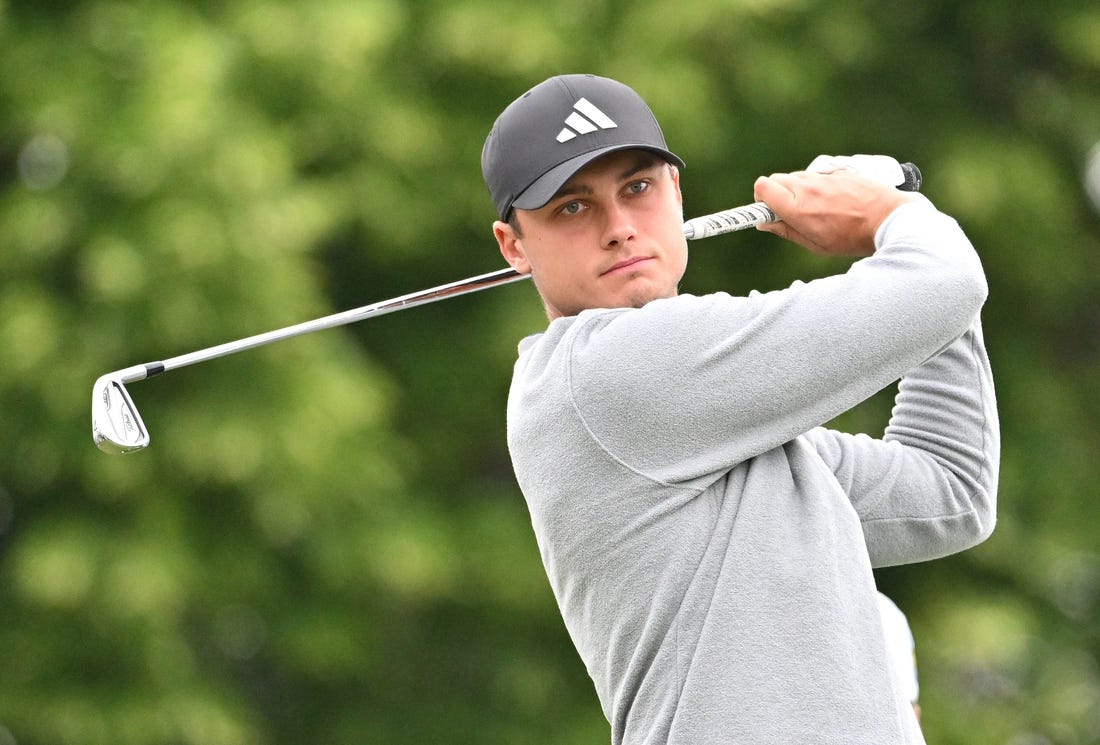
[{"x": 618, "y": 227}]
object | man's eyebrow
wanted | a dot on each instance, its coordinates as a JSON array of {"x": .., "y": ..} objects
[
  {"x": 572, "y": 189},
  {"x": 643, "y": 163}
]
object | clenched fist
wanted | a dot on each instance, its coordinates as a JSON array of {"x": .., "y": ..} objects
[{"x": 835, "y": 213}]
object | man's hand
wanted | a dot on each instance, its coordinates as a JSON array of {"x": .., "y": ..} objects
[{"x": 836, "y": 213}]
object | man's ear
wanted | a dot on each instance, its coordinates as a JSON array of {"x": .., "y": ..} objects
[{"x": 511, "y": 247}]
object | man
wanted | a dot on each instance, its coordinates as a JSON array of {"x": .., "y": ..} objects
[{"x": 709, "y": 543}]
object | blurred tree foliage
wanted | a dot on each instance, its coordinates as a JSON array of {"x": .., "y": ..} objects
[{"x": 324, "y": 542}]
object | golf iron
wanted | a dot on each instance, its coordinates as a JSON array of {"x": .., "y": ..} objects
[{"x": 117, "y": 426}]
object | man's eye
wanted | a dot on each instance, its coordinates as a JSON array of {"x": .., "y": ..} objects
[
  {"x": 571, "y": 208},
  {"x": 638, "y": 187}
]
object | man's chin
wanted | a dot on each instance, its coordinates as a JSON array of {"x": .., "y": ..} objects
[
  {"x": 636, "y": 298},
  {"x": 641, "y": 299}
]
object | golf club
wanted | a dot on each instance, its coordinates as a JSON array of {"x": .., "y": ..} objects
[{"x": 117, "y": 427}]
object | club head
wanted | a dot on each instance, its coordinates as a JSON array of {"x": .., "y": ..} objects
[{"x": 116, "y": 423}]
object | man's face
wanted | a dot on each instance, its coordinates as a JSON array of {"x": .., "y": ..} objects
[{"x": 612, "y": 237}]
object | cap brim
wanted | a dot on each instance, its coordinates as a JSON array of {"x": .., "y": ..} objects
[{"x": 550, "y": 183}]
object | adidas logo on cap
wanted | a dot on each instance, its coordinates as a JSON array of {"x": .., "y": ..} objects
[{"x": 586, "y": 117}]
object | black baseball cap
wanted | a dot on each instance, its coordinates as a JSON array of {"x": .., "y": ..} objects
[{"x": 558, "y": 127}]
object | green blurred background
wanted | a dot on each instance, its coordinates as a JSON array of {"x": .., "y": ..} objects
[{"x": 324, "y": 542}]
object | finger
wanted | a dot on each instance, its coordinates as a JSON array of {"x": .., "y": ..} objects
[
  {"x": 781, "y": 229},
  {"x": 775, "y": 228},
  {"x": 775, "y": 190},
  {"x": 785, "y": 231}
]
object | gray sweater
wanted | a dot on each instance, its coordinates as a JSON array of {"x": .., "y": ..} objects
[{"x": 709, "y": 543}]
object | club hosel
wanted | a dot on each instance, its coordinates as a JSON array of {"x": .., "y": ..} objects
[{"x": 136, "y": 372}]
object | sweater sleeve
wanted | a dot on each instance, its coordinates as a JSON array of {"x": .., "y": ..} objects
[
  {"x": 928, "y": 487},
  {"x": 685, "y": 388}
]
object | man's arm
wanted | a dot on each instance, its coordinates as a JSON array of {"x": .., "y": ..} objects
[
  {"x": 928, "y": 487},
  {"x": 722, "y": 379}
]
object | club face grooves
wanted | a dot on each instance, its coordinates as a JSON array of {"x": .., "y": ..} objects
[{"x": 116, "y": 424}]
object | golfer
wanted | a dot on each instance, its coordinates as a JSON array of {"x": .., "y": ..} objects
[{"x": 710, "y": 544}]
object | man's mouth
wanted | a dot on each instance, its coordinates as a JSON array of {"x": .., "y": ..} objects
[{"x": 625, "y": 263}]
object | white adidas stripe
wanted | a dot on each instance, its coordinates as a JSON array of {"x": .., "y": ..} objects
[
  {"x": 579, "y": 123},
  {"x": 585, "y": 118},
  {"x": 588, "y": 109}
]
